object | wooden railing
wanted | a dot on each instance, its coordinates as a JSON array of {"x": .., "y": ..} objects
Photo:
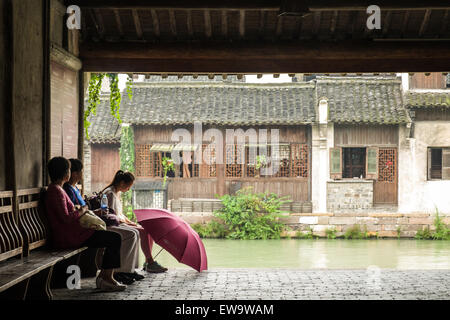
[
  {"x": 31, "y": 221},
  {"x": 11, "y": 241}
]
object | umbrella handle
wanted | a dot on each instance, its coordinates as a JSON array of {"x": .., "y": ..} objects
[{"x": 158, "y": 253}]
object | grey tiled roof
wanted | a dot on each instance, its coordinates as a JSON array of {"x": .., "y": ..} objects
[
  {"x": 428, "y": 99},
  {"x": 220, "y": 103},
  {"x": 104, "y": 127},
  {"x": 376, "y": 100},
  {"x": 368, "y": 100}
]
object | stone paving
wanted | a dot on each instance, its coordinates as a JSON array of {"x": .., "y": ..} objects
[{"x": 276, "y": 284}]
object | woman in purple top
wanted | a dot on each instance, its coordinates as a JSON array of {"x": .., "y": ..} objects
[{"x": 67, "y": 233}]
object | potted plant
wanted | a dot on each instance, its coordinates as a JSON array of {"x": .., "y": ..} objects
[
  {"x": 167, "y": 164},
  {"x": 261, "y": 162}
]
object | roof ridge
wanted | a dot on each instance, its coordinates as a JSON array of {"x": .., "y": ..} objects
[{"x": 221, "y": 84}]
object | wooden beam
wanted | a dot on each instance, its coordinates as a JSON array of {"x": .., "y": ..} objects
[
  {"x": 118, "y": 22},
  {"x": 316, "y": 5},
  {"x": 386, "y": 23},
  {"x": 261, "y": 57},
  {"x": 316, "y": 23},
  {"x": 405, "y": 23},
  {"x": 279, "y": 28},
  {"x": 178, "y": 4},
  {"x": 224, "y": 23},
  {"x": 173, "y": 23},
  {"x": 423, "y": 26},
  {"x": 444, "y": 22},
  {"x": 137, "y": 23},
  {"x": 242, "y": 23},
  {"x": 98, "y": 22},
  {"x": 262, "y": 23},
  {"x": 155, "y": 23},
  {"x": 333, "y": 23},
  {"x": 208, "y": 29},
  {"x": 189, "y": 23}
]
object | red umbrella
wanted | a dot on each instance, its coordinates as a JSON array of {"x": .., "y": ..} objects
[{"x": 174, "y": 235}]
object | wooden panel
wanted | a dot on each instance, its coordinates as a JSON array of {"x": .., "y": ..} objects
[
  {"x": 386, "y": 186},
  {"x": 105, "y": 162},
  {"x": 296, "y": 189},
  {"x": 63, "y": 112},
  {"x": 436, "y": 80},
  {"x": 364, "y": 135},
  {"x": 4, "y": 78},
  {"x": 28, "y": 75}
]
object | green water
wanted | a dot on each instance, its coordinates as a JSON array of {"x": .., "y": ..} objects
[{"x": 320, "y": 253}]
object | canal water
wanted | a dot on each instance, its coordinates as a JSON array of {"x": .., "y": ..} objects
[{"x": 320, "y": 254}]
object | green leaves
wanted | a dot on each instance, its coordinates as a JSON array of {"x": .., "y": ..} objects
[
  {"x": 251, "y": 215},
  {"x": 126, "y": 154},
  {"x": 95, "y": 86},
  {"x": 167, "y": 164},
  {"x": 115, "y": 97}
]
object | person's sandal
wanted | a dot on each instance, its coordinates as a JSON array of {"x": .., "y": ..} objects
[
  {"x": 107, "y": 286},
  {"x": 154, "y": 267}
]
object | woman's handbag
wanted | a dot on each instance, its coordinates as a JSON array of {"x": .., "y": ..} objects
[
  {"x": 90, "y": 220},
  {"x": 110, "y": 219}
]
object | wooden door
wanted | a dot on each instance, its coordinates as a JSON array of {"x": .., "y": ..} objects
[{"x": 386, "y": 186}]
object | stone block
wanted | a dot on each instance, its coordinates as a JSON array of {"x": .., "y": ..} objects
[
  {"x": 323, "y": 220},
  {"x": 390, "y": 227},
  {"x": 411, "y": 227},
  {"x": 387, "y": 234},
  {"x": 386, "y": 215},
  {"x": 372, "y": 227},
  {"x": 321, "y": 228},
  {"x": 366, "y": 220},
  {"x": 421, "y": 220},
  {"x": 342, "y": 220},
  {"x": 289, "y": 220},
  {"x": 408, "y": 234},
  {"x": 309, "y": 220},
  {"x": 387, "y": 221}
]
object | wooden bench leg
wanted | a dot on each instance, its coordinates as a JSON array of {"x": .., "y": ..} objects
[
  {"x": 39, "y": 286},
  {"x": 17, "y": 292}
]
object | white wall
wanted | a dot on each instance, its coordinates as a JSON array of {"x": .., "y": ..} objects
[{"x": 416, "y": 193}]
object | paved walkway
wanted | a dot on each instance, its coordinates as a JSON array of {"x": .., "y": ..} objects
[{"x": 265, "y": 284}]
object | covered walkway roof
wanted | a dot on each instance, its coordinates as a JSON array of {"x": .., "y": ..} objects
[{"x": 267, "y": 36}]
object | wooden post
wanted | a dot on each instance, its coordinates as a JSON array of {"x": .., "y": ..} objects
[{"x": 46, "y": 94}]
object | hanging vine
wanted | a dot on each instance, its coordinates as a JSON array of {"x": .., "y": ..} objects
[
  {"x": 126, "y": 153},
  {"x": 115, "y": 97}
]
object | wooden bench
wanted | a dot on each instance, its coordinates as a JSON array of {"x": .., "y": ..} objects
[{"x": 26, "y": 260}]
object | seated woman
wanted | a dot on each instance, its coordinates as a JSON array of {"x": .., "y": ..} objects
[
  {"x": 129, "y": 251},
  {"x": 67, "y": 232},
  {"x": 122, "y": 182}
]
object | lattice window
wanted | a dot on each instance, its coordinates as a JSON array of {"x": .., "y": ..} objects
[
  {"x": 234, "y": 160},
  {"x": 299, "y": 160},
  {"x": 387, "y": 164},
  {"x": 284, "y": 168},
  {"x": 209, "y": 154},
  {"x": 148, "y": 164}
]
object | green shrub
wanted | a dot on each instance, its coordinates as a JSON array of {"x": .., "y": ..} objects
[
  {"x": 441, "y": 232},
  {"x": 305, "y": 235},
  {"x": 249, "y": 215},
  {"x": 330, "y": 233},
  {"x": 355, "y": 232},
  {"x": 213, "y": 229}
]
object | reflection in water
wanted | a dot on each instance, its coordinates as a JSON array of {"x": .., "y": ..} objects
[{"x": 321, "y": 253}]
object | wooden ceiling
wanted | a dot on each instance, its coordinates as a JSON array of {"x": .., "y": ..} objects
[{"x": 263, "y": 32}]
